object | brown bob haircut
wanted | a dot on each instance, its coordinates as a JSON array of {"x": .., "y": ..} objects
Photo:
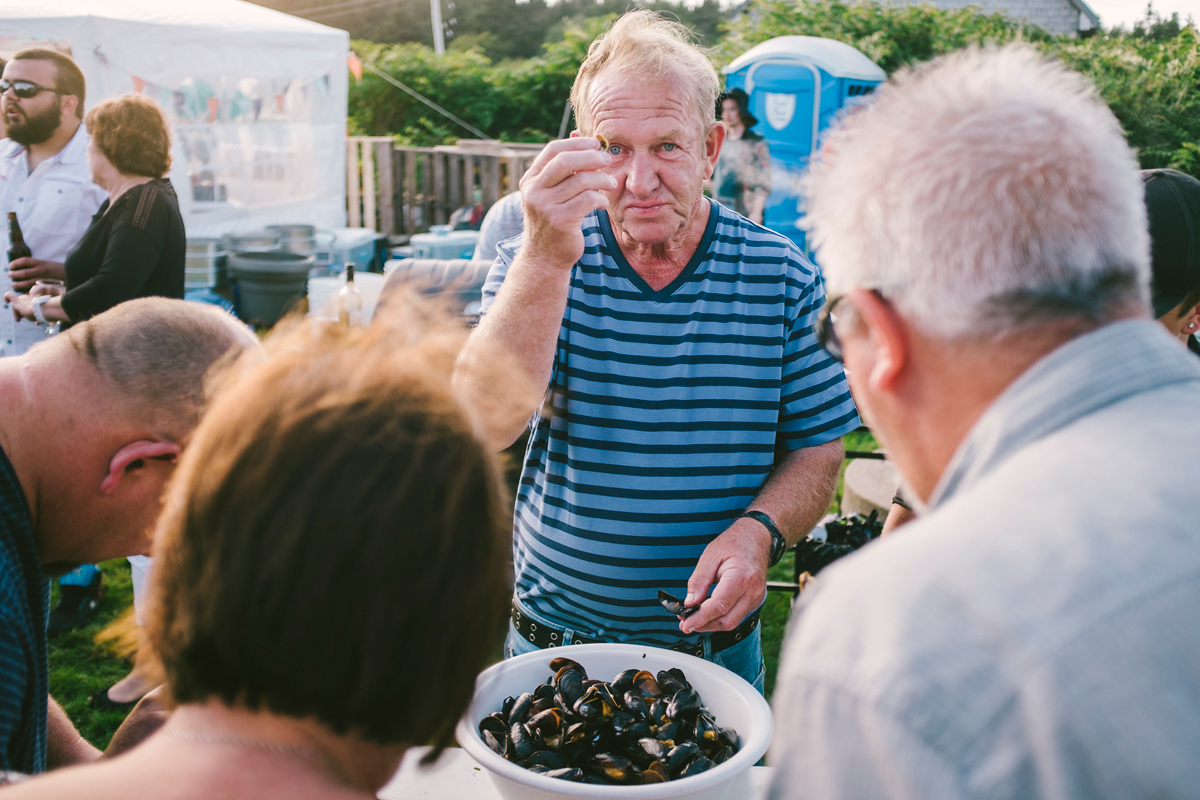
[
  {"x": 132, "y": 133},
  {"x": 69, "y": 77},
  {"x": 336, "y": 540}
]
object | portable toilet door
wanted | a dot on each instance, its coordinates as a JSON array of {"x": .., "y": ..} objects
[{"x": 797, "y": 85}]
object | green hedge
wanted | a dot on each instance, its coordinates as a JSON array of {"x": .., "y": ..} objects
[{"x": 1151, "y": 84}]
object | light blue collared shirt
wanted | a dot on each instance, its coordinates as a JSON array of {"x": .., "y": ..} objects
[{"x": 1036, "y": 633}]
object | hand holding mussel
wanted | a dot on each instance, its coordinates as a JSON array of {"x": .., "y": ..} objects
[
  {"x": 675, "y": 606},
  {"x": 639, "y": 728}
]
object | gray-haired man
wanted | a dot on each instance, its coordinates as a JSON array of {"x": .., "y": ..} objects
[{"x": 982, "y": 231}]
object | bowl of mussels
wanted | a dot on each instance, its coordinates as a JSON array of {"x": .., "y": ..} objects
[{"x": 614, "y": 721}]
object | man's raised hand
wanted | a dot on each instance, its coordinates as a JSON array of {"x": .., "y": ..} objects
[{"x": 565, "y": 183}]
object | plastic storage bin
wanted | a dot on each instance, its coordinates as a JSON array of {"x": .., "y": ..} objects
[{"x": 444, "y": 244}]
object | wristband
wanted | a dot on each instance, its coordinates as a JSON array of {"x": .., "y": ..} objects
[
  {"x": 38, "y": 302},
  {"x": 778, "y": 543}
]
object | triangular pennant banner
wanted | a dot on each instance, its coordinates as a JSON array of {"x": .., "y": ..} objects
[
  {"x": 213, "y": 106},
  {"x": 138, "y": 84},
  {"x": 355, "y": 66}
]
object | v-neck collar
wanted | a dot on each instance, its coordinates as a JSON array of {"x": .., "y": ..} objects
[{"x": 698, "y": 257}]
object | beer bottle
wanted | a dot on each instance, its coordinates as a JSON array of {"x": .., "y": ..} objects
[
  {"x": 16, "y": 240},
  {"x": 350, "y": 301}
]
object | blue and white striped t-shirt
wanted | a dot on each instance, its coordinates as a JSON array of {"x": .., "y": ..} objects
[{"x": 669, "y": 409}]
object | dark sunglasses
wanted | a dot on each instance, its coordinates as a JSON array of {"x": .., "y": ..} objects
[
  {"x": 827, "y": 326},
  {"x": 24, "y": 89}
]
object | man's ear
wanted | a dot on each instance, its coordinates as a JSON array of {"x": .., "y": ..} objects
[
  {"x": 133, "y": 456},
  {"x": 68, "y": 104},
  {"x": 712, "y": 145},
  {"x": 887, "y": 333}
]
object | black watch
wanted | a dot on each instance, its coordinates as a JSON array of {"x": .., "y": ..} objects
[{"x": 778, "y": 543}]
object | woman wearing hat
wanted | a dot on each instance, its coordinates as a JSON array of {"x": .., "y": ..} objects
[
  {"x": 1173, "y": 210},
  {"x": 742, "y": 179}
]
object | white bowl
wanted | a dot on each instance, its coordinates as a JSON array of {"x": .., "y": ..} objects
[{"x": 734, "y": 702}]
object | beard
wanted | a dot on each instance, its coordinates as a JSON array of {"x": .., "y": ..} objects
[{"x": 35, "y": 129}]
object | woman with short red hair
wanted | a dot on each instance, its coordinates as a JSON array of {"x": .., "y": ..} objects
[{"x": 135, "y": 246}]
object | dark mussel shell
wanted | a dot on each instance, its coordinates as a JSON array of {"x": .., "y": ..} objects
[
  {"x": 566, "y": 774},
  {"x": 546, "y": 758},
  {"x": 677, "y": 674},
  {"x": 569, "y": 683},
  {"x": 656, "y": 773},
  {"x": 645, "y": 683},
  {"x": 670, "y": 684},
  {"x": 723, "y": 755},
  {"x": 638, "y": 730},
  {"x": 520, "y": 742},
  {"x": 507, "y": 708},
  {"x": 541, "y": 704},
  {"x": 559, "y": 664},
  {"x": 680, "y": 756},
  {"x": 494, "y": 723},
  {"x": 653, "y": 748},
  {"x": 684, "y": 706},
  {"x": 622, "y": 723},
  {"x": 635, "y": 704},
  {"x": 543, "y": 692},
  {"x": 672, "y": 731},
  {"x": 658, "y": 712},
  {"x": 696, "y": 766},
  {"x": 538, "y": 769},
  {"x": 707, "y": 732},
  {"x": 497, "y": 742},
  {"x": 674, "y": 605},
  {"x": 597, "y": 705},
  {"x": 548, "y": 723},
  {"x": 575, "y": 740},
  {"x": 623, "y": 682},
  {"x": 612, "y": 766},
  {"x": 520, "y": 709}
]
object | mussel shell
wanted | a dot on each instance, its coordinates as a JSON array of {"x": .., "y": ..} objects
[
  {"x": 538, "y": 769},
  {"x": 635, "y": 704},
  {"x": 566, "y": 774},
  {"x": 541, "y": 704},
  {"x": 723, "y": 755},
  {"x": 672, "y": 731},
  {"x": 520, "y": 709},
  {"x": 669, "y": 684},
  {"x": 520, "y": 742},
  {"x": 655, "y": 773},
  {"x": 645, "y": 683},
  {"x": 658, "y": 712},
  {"x": 569, "y": 683},
  {"x": 679, "y": 676},
  {"x": 622, "y": 723},
  {"x": 684, "y": 705},
  {"x": 680, "y": 755},
  {"x": 507, "y": 708},
  {"x": 728, "y": 737},
  {"x": 496, "y": 742},
  {"x": 612, "y": 766},
  {"x": 696, "y": 766},
  {"x": 559, "y": 664},
  {"x": 546, "y": 758},
  {"x": 707, "y": 733},
  {"x": 597, "y": 705},
  {"x": 653, "y": 748},
  {"x": 639, "y": 730},
  {"x": 548, "y": 723},
  {"x": 623, "y": 682},
  {"x": 543, "y": 692},
  {"x": 494, "y": 722}
]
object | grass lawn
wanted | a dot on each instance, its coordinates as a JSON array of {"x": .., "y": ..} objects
[{"x": 79, "y": 667}]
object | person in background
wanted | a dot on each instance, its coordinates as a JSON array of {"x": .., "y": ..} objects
[
  {"x": 1173, "y": 212},
  {"x": 134, "y": 247},
  {"x": 92, "y": 422},
  {"x": 983, "y": 232},
  {"x": 331, "y": 575},
  {"x": 504, "y": 220},
  {"x": 742, "y": 178},
  {"x": 693, "y": 425},
  {"x": 45, "y": 181},
  {"x": 1173, "y": 208}
]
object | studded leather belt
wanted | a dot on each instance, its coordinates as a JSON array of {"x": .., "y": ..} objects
[{"x": 543, "y": 636}]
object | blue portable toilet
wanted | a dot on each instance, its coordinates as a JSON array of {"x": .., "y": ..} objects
[{"x": 797, "y": 86}]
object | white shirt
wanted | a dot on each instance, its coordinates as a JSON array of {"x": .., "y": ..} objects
[
  {"x": 1034, "y": 634},
  {"x": 54, "y": 205}
]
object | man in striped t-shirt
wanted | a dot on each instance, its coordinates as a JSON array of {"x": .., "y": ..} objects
[{"x": 694, "y": 422}]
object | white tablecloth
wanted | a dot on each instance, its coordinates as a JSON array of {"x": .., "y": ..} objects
[{"x": 456, "y": 776}]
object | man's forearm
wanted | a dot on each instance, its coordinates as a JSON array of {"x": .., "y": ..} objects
[
  {"x": 797, "y": 494},
  {"x": 65, "y": 746},
  {"x": 505, "y": 367}
]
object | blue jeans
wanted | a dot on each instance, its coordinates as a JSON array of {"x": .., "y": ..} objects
[
  {"x": 745, "y": 658},
  {"x": 83, "y": 575}
]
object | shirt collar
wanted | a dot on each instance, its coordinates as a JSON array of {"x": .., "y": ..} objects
[
  {"x": 74, "y": 150},
  {"x": 1080, "y": 377}
]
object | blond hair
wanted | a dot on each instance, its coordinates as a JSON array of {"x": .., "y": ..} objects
[
  {"x": 155, "y": 353},
  {"x": 654, "y": 48}
]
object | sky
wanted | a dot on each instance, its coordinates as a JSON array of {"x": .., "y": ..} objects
[{"x": 1127, "y": 12}]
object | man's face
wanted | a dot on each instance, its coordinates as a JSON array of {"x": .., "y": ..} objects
[
  {"x": 659, "y": 157},
  {"x": 35, "y": 119}
]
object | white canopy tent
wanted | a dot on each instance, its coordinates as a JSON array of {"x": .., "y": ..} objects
[{"x": 256, "y": 98}]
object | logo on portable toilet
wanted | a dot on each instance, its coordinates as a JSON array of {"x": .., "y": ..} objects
[{"x": 780, "y": 109}]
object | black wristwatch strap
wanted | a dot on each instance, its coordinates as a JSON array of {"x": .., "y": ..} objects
[{"x": 778, "y": 543}]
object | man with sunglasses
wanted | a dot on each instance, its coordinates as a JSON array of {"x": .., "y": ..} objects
[
  {"x": 44, "y": 178},
  {"x": 1033, "y": 634}
]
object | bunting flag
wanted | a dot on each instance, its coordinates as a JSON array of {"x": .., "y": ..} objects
[
  {"x": 279, "y": 102},
  {"x": 138, "y": 84},
  {"x": 355, "y": 67},
  {"x": 213, "y": 106},
  {"x": 256, "y": 104}
]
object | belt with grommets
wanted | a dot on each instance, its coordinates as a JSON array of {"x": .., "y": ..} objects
[{"x": 542, "y": 636}]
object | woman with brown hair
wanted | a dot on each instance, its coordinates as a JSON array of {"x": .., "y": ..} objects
[
  {"x": 331, "y": 573},
  {"x": 135, "y": 246}
]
